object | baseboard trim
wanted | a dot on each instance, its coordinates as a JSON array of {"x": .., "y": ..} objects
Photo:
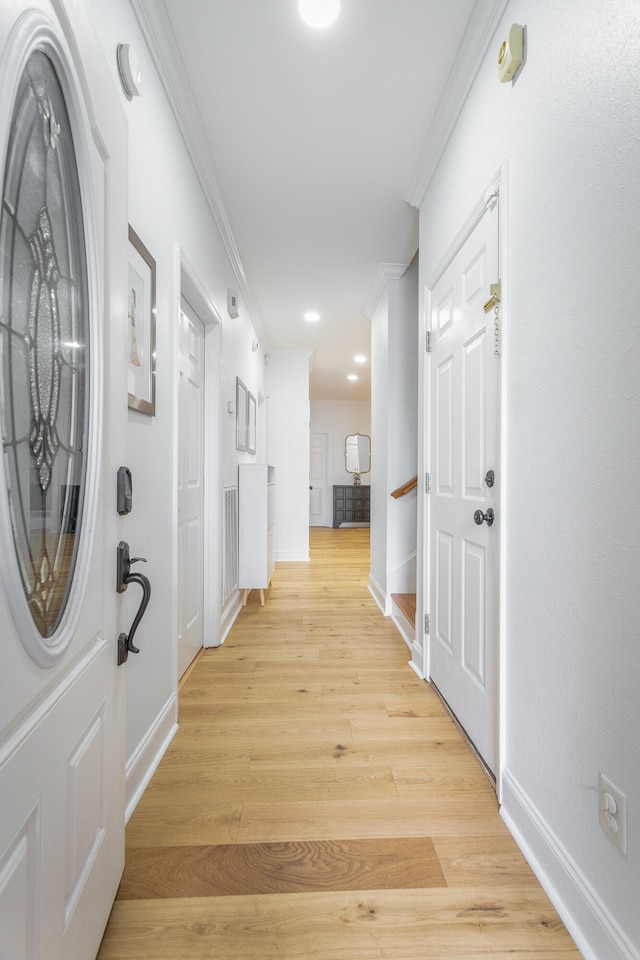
[
  {"x": 379, "y": 596},
  {"x": 229, "y": 616},
  {"x": 404, "y": 628},
  {"x": 144, "y": 762},
  {"x": 292, "y": 556},
  {"x": 414, "y": 666},
  {"x": 580, "y": 908}
]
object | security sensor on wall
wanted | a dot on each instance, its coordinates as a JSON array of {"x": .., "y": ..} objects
[
  {"x": 232, "y": 304},
  {"x": 510, "y": 54},
  {"x": 129, "y": 70}
]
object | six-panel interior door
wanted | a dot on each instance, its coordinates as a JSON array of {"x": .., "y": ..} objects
[
  {"x": 464, "y": 561},
  {"x": 317, "y": 479},
  {"x": 191, "y": 488},
  {"x": 61, "y": 702}
]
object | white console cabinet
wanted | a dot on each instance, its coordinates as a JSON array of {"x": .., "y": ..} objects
[{"x": 256, "y": 485}]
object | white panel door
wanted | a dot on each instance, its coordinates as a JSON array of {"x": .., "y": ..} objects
[
  {"x": 61, "y": 692},
  {"x": 464, "y": 560},
  {"x": 317, "y": 480},
  {"x": 190, "y": 488}
]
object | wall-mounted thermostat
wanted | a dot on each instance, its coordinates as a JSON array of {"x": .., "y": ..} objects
[{"x": 510, "y": 55}]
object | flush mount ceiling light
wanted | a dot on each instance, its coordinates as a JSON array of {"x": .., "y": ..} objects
[
  {"x": 319, "y": 13},
  {"x": 311, "y": 316},
  {"x": 352, "y": 376},
  {"x": 359, "y": 359}
]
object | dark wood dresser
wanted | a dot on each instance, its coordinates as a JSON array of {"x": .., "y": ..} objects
[{"x": 351, "y": 503}]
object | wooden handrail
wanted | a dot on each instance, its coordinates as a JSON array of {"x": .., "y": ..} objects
[{"x": 409, "y": 485}]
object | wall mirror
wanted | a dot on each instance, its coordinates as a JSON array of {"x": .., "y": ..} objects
[{"x": 357, "y": 453}]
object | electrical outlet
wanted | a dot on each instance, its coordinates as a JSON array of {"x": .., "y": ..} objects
[{"x": 613, "y": 813}]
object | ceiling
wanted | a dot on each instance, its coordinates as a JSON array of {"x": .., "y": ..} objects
[{"x": 308, "y": 142}]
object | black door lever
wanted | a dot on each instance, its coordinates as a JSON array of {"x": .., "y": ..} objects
[{"x": 124, "y": 577}]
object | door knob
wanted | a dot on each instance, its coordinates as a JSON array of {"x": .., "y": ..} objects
[{"x": 479, "y": 517}]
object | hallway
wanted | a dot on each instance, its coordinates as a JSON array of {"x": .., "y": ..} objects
[{"x": 318, "y": 803}]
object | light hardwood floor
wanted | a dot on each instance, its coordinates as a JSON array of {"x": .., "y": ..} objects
[{"x": 318, "y": 803}]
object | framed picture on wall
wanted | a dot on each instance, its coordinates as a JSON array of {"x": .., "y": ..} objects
[
  {"x": 141, "y": 330},
  {"x": 251, "y": 424},
  {"x": 241, "y": 415}
]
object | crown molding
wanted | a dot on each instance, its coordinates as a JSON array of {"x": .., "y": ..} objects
[
  {"x": 482, "y": 25},
  {"x": 386, "y": 272},
  {"x": 158, "y": 36}
]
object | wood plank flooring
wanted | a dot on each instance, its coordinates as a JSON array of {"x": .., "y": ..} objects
[{"x": 318, "y": 803}]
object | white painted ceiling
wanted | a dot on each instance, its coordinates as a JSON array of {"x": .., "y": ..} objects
[{"x": 312, "y": 140}]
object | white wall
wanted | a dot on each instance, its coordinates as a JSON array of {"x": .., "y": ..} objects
[
  {"x": 570, "y": 129},
  {"x": 338, "y": 420},
  {"x": 379, "y": 437},
  {"x": 402, "y": 431},
  {"x": 394, "y": 425},
  {"x": 287, "y": 389},
  {"x": 168, "y": 210}
]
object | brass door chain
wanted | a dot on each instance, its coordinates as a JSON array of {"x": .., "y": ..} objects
[{"x": 493, "y": 303}]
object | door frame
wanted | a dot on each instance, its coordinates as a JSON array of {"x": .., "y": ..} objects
[
  {"x": 189, "y": 286},
  {"x": 498, "y": 187},
  {"x": 325, "y": 474}
]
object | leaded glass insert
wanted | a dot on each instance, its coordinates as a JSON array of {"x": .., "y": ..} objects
[{"x": 43, "y": 342}]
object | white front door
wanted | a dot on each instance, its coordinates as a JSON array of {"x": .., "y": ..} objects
[
  {"x": 317, "y": 479},
  {"x": 63, "y": 390},
  {"x": 190, "y": 488},
  {"x": 464, "y": 561}
]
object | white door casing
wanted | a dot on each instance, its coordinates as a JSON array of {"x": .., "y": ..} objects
[
  {"x": 465, "y": 435},
  {"x": 190, "y": 487},
  {"x": 62, "y": 700},
  {"x": 317, "y": 480}
]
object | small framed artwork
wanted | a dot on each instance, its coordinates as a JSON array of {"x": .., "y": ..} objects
[
  {"x": 141, "y": 335},
  {"x": 241, "y": 415},
  {"x": 251, "y": 424}
]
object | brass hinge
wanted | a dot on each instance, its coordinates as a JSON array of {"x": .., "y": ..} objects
[{"x": 494, "y": 299}]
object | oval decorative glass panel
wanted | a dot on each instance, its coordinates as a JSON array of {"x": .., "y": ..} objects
[{"x": 44, "y": 328}]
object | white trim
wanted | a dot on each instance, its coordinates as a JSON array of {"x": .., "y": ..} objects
[
  {"x": 583, "y": 913},
  {"x": 198, "y": 299},
  {"x": 412, "y": 663},
  {"x": 156, "y": 29},
  {"x": 403, "y": 627},
  {"x": 292, "y": 556},
  {"x": 475, "y": 43},
  {"x": 379, "y": 596},
  {"x": 145, "y": 759},
  {"x": 386, "y": 272},
  {"x": 406, "y": 561},
  {"x": 229, "y": 615},
  {"x": 503, "y": 266}
]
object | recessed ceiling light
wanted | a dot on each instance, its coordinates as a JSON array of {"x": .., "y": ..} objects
[
  {"x": 311, "y": 316},
  {"x": 352, "y": 376},
  {"x": 319, "y": 13},
  {"x": 360, "y": 359}
]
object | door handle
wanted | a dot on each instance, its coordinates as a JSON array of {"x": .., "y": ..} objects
[
  {"x": 124, "y": 577},
  {"x": 489, "y": 517}
]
